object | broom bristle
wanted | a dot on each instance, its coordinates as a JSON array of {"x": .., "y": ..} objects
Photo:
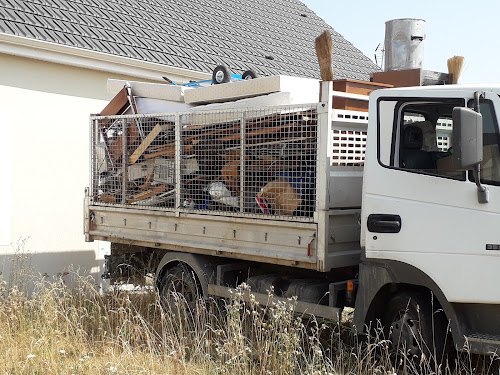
[
  {"x": 455, "y": 65},
  {"x": 324, "y": 51}
]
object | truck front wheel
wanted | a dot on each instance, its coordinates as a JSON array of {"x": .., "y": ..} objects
[{"x": 416, "y": 327}]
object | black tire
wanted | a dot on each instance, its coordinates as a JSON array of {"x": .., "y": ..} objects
[
  {"x": 417, "y": 327},
  {"x": 221, "y": 74},
  {"x": 249, "y": 74},
  {"x": 179, "y": 282}
]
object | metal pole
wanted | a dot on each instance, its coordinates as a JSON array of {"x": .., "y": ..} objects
[
  {"x": 242, "y": 161},
  {"x": 323, "y": 174},
  {"x": 177, "y": 162},
  {"x": 124, "y": 161}
]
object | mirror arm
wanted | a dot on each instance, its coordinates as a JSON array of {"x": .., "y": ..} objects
[
  {"x": 483, "y": 195},
  {"x": 477, "y": 96}
]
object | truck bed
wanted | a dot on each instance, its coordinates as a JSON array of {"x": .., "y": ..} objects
[{"x": 280, "y": 185}]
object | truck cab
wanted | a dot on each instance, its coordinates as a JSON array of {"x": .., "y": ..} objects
[{"x": 428, "y": 226}]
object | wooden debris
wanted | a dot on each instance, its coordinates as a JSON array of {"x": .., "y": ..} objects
[
  {"x": 147, "y": 194},
  {"x": 117, "y": 105},
  {"x": 211, "y": 156},
  {"x": 145, "y": 144},
  {"x": 107, "y": 198}
]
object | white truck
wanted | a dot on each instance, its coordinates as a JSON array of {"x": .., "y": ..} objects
[{"x": 288, "y": 198}]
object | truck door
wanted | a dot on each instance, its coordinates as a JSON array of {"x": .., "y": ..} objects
[{"x": 419, "y": 210}]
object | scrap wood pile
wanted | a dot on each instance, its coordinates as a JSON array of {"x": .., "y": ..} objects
[{"x": 272, "y": 172}]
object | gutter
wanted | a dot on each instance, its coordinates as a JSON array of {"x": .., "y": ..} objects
[{"x": 87, "y": 59}]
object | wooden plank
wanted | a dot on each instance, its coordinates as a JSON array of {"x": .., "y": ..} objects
[
  {"x": 145, "y": 144},
  {"x": 148, "y": 182},
  {"x": 117, "y": 105},
  {"x": 147, "y": 194},
  {"x": 198, "y": 178},
  {"x": 170, "y": 151},
  {"x": 115, "y": 147},
  {"x": 107, "y": 198},
  {"x": 262, "y": 131},
  {"x": 399, "y": 78},
  {"x": 354, "y": 87}
]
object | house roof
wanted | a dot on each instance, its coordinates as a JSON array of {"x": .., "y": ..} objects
[{"x": 270, "y": 37}]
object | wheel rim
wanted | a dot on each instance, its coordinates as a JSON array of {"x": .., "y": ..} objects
[
  {"x": 219, "y": 76},
  {"x": 405, "y": 333},
  {"x": 178, "y": 287}
]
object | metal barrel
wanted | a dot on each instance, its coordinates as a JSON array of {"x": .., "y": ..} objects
[{"x": 404, "y": 44}]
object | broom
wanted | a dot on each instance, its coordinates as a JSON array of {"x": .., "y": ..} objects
[
  {"x": 455, "y": 65},
  {"x": 324, "y": 53}
]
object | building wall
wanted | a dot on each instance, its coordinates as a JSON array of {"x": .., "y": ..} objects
[{"x": 44, "y": 148}]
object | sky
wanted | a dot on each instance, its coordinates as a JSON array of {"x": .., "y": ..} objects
[{"x": 453, "y": 27}]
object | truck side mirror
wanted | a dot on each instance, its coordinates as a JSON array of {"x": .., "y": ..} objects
[{"x": 467, "y": 138}]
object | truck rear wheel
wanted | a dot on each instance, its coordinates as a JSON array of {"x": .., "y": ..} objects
[
  {"x": 180, "y": 281},
  {"x": 416, "y": 327}
]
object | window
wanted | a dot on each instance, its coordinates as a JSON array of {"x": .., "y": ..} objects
[
  {"x": 421, "y": 136},
  {"x": 490, "y": 167}
]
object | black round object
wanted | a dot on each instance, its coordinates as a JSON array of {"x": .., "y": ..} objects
[
  {"x": 416, "y": 327},
  {"x": 221, "y": 74},
  {"x": 249, "y": 74},
  {"x": 180, "y": 281}
]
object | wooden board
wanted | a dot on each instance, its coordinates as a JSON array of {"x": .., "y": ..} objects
[
  {"x": 147, "y": 194},
  {"x": 412, "y": 77},
  {"x": 262, "y": 131},
  {"x": 115, "y": 147},
  {"x": 117, "y": 105},
  {"x": 145, "y": 144},
  {"x": 352, "y": 86},
  {"x": 399, "y": 78}
]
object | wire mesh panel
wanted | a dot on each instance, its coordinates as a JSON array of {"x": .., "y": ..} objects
[
  {"x": 252, "y": 162},
  {"x": 245, "y": 163},
  {"x": 130, "y": 156}
]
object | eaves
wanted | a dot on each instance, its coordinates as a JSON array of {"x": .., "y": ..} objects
[{"x": 83, "y": 58}]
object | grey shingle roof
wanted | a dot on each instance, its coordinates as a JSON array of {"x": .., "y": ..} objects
[{"x": 271, "y": 37}]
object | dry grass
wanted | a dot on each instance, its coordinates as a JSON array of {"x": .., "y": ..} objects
[{"x": 79, "y": 330}]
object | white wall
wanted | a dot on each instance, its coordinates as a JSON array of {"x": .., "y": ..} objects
[{"x": 45, "y": 153}]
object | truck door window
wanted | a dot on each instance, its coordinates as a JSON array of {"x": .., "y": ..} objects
[
  {"x": 386, "y": 109},
  {"x": 421, "y": 137},
  {"x": 490, "y": 167}
]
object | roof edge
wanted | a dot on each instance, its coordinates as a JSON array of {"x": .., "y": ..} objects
[{"x": 82, "y": 58}]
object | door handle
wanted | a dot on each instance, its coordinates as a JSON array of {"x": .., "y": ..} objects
[{"x": 384, "y": 223}]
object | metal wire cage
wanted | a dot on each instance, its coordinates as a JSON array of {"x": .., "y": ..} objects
[{"x": 256, "y": 162}]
